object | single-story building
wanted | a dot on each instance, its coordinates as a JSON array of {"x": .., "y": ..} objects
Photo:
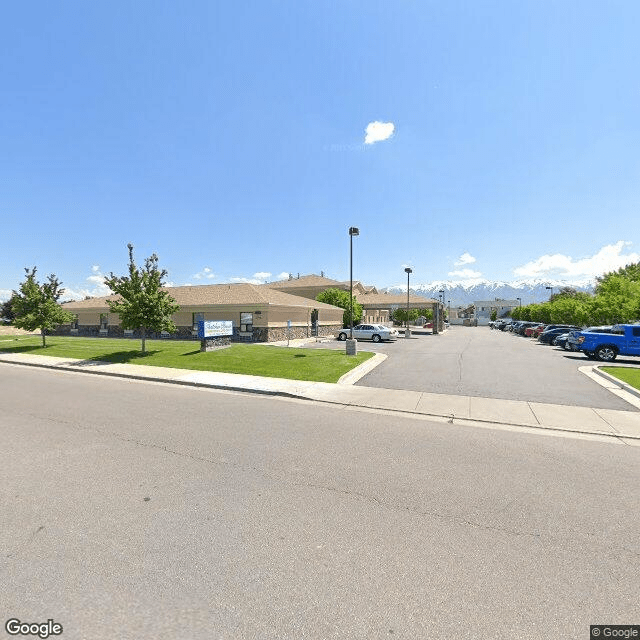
[{"x": 258, "y": 313}]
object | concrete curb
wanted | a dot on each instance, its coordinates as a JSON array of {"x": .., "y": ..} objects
[
  {"x": 613, "y": 385},
  {"x": 623, "y": 385},
  {"x": 351, "y": 377}
]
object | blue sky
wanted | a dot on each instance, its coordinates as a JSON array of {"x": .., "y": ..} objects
[{"x": 229, "y": 138}]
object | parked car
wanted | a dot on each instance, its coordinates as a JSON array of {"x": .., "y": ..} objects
[
  {"x": 375, "y": 332},
  {"x": 534, "y": 330},
  {"x": 624, "y": 340},
  {"x": 524, "y": 325},
  {"x": 548, "y": 335},
  {"x": 561, "y": 341},
  {"x": 518, "y": 325}
]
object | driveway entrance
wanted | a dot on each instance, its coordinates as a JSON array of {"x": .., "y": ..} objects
[{"x": 476, "y": 361}]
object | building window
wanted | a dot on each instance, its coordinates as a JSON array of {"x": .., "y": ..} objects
[
  {"x": 104, "y": 320},
  {"x": 196, "y": 317},
  {"x": 246, "y": 322}
]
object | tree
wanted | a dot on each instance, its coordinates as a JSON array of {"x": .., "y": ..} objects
[
  {"x": 36, "y": 305},
  {"x": 143, "y": 304},
  {"x": 7, "y": 311},
  {"x": 342, "y": 299},
  {"x": 399, "y": 315},
  {"x": 494, "y": 314},
  {"x": 630, "y": 272}
]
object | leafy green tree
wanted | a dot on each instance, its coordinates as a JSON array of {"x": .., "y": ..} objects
[
  {"x": 399, "y": 315},
  {"x": 143, "y": 305},
  {"x": 631, "y": 272},
  {"x": 342, "y": 299},
  {"x": 494, "y": 314},
  {"x": 36, "y": 305},
  {"x": 7, "y": 311},
  {"x": 617, "y": 300},
  {"x": 427, "y": 313},
  {"x": 570, "y": 310}
]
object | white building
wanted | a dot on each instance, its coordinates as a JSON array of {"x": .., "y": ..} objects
[{"x": 484, "y": 308}]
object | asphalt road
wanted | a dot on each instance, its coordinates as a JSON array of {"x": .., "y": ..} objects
[
  {"x": 476, "y": 361},
  {"x": 138, "y": 510}
]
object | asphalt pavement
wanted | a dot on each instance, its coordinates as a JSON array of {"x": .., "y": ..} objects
[
  {"x": 140, "y": 510},
  {"x": 454, "y": 409},
  {"x": 479, "y": 362}
]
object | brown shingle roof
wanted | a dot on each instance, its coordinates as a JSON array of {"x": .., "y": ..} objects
[
  {"x": 311, "y": 280},
  {"x": 216, "y": 294}
]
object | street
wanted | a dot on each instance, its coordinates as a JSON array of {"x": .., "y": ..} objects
[{"x": 142, "y": 510}]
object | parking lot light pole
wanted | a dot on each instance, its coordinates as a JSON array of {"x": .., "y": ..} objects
[
  {"x": 551, "y": 294},
  {"x": 519, "y": 302},
  {"x": 407, "y": 333},
  {"x": 351, "y": 345}
]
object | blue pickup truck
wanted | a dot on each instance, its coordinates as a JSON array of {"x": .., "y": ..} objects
[{"x": 624, "y": 340}]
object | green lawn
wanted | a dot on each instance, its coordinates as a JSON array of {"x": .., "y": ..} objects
[
  {"x": 626, "y": 374},
  {"x": 319, "y": 365}
]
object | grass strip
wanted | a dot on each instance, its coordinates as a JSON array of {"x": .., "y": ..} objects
[
  {"x": 316, "y": 365},
  {"x": 627, "y": 374}
]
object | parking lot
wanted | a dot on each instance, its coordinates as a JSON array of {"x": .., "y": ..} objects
[{"x": 475, "y": 361}]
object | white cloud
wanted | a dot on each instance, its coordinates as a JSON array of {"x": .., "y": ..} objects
[
  {"x": 558, "y": 265},
  {"x": 96, "y": 289},
  {"x": 465, "y": 258},
  {"x": 258, "y": 278},
  {"x": 465, "y": 273},
  {"x": 206, "y": 273},
  {"x": 378, "y": 131},
  {"x": 5, "y": 294},
  {"x": 283, "y": 276}
]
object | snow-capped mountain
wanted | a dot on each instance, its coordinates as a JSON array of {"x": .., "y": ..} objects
[{"x": 465, "y": 292}]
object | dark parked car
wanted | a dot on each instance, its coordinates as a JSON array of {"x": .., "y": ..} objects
[
  {"x": 561, "y": 341},
  {"x": 548, "y": 335}
]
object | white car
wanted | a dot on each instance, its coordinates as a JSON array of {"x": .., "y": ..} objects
[{"x": 375, "y": 332}]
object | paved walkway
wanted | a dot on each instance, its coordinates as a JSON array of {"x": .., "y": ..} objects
[{"x": 607, "y": 423}]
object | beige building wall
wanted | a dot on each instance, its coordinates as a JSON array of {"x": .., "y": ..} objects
[
  {"x": 262, "y": 317},
  {"x": 184, "y": 317}
]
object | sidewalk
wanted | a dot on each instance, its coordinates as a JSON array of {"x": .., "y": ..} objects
[{"x": 621, "y": 425}]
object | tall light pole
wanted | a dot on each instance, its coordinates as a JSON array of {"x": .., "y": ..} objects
[
  {"x": 519, "y": 302},
  {"x": 551, "y": 294},
  {"x": 441, "y": 292},
  {"x": 407, "y": 333},
  {"x": 353, "y": 231}
]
